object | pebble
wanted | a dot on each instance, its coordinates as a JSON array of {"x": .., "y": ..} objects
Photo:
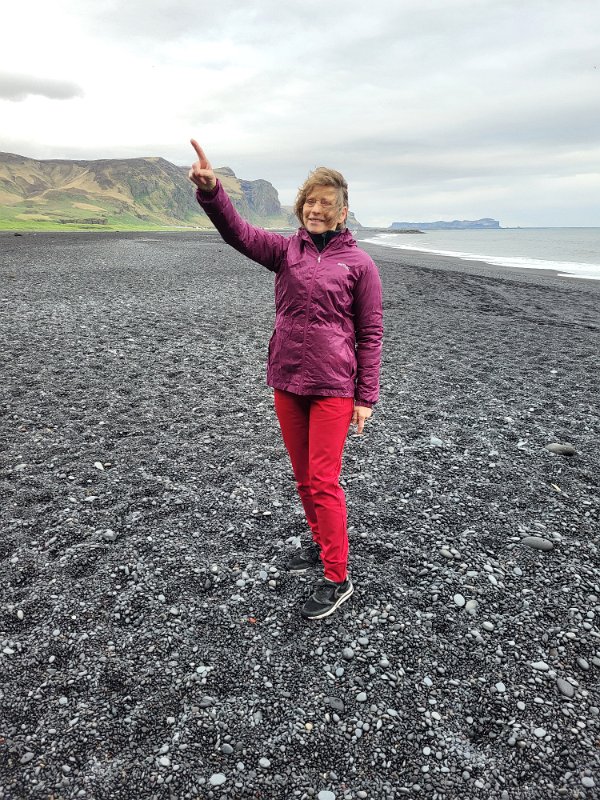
[
  {"x": 541, "y": 666},
  {"x": 217, "y": 779},
  {"x": 459, "y": 600},
  {"x": 588, "y": 782},
  {"x": 20, "y": 615},
  {"x": 539, "y": 732},
  {"x": 361, "y": 697},
  {"x": 325, "y": 794},
  {"x": 227, "y": 749},
  {"x": 264, "y": 762},
  {"x": 564, "y": 449},
  {"x": 26, "y": 758},
  {"x": 565, "y": 688},
  {"x": 537, "y": 543},
  {"x": 488, "y": 626},
  {"x": 164, "y": 761},
  {"x": 500, "y": 687},
  {"x": 348, "y": 653},
  {"x": 335, "y": 702},
  {"x": 581, "y": 662},
  {"x": 435, "y": 442}
]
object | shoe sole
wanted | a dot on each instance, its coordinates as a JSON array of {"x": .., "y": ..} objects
[
  {"x": 329, "y": 611},
  {"x": 303, "y": 569}
]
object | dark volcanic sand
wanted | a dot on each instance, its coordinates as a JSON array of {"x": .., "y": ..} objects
[{"x": 151, "y": 644}]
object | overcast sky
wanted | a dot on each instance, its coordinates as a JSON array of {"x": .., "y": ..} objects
[{"x": 432, "y": 109}]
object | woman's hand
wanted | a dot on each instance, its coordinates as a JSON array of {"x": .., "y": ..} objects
[
  {"x": 359, "y": 415},
  {"x": 201, "y": 172}
]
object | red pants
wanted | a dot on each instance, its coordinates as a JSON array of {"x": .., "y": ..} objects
[{"x": 314, "y": 431}]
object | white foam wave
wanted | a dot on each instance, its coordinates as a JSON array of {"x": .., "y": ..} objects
[{"x": 566, "y": 269}]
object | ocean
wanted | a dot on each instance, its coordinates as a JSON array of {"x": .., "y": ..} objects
[{"x": 572, "y": 252}]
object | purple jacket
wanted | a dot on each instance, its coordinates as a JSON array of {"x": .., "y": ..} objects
[{"x": 329, "y": 319}]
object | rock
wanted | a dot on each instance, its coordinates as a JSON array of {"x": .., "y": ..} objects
[
  {"x": 348, "y": 653},
  {"x": 335, "y": 702},
  {"x": 325, "y": 794},
  {"x": 537, "y": 543},
  {"x": 227, "y": 749},
  {"x": 217, "y": 779},
  {"x": 539, "y": 732},
  {"x": 588, "y": 782},
  {"x": 264, "y": 762},
  {"x": 435, "y": 442},
  {"x": 361, "y": 697},
  {"x": 459, "y": 600},
  {"x": 26, "y": 758},
  {"x": 541, "y": 666},
  {"x": 564, "y": 449},
  {"x": 565, "y": 688}
]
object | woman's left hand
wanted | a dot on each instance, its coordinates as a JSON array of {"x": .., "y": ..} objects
[{"x": 360, "y": 414}]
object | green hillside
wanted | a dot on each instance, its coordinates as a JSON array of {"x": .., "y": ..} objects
[{"x": 119, "y": 194}]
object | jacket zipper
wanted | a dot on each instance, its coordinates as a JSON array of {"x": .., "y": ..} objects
[{"x": 308, "y": 299}]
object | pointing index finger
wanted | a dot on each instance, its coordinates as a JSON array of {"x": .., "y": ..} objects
[{"x": 199, "y": 152}]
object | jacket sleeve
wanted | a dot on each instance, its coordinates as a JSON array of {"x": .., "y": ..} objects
[
  {"x": 368, "y": 324},
  {"x": 262, "y": 246}
]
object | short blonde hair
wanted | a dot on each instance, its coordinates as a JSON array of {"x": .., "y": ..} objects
[{"x": 323, "y": 176}]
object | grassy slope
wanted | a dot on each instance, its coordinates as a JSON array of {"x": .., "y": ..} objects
[{"x": 132, "y": 194}]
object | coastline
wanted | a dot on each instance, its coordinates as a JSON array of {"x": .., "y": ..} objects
[
  {"x": 149, "y": 507},
  {"x": 469, "y": 266}
]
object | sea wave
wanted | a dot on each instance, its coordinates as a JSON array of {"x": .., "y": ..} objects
[{"x": 566, "y": 269}]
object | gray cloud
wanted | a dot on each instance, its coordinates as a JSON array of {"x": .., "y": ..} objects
[{"x": 19, "y": 87}]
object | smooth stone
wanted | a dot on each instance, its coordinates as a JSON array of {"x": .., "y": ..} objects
[
  {"x": 264, "y": 762},
  {"x": 335, "y": 702},
  {"x": 361, "y": 697},
  {"x": 537, "y": 543},
  {"x": 539, "y": 732},
  {"x": 459, "y": 600},
  {"x": 565, "y": 688},
  {"x": 164, "y": 761},
  {"x": 564, "y": 449},
  {"x": 26, "y": 758},
  {"x": 588, "y": 782},
  {"x": 348, "y": 653},
  {"x": 227, "y": 749},
  {"x": 541, "y": 666},
  {"x": 583, "y": 664},
  {"x": 500, "y": 687},
  {"x": 435, "y": 442},
  {"x": 325, "y": 794},
  {"x": 217, "y": 779}
]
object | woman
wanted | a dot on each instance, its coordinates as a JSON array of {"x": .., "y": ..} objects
[{"x": 324, "y": 355}]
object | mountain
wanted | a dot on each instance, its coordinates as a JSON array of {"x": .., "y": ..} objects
[
  {"x": 128, "y": 193},
  {"x": 457, "y": 224}
]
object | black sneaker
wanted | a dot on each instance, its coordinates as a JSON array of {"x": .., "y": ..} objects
[
  {"x": 304, "y": 559},
  {"x": 326, "y": 598}
]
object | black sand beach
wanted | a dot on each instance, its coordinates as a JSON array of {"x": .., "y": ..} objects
[{"x": 151, "y": 644}]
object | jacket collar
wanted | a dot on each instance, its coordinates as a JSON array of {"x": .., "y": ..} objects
[{"x": 343, "y": 238}]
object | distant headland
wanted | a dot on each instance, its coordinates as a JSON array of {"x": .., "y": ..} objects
[{"x": 441, "y": 225}]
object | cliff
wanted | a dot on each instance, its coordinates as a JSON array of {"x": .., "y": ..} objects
[{"x": 119, "y": 193}]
